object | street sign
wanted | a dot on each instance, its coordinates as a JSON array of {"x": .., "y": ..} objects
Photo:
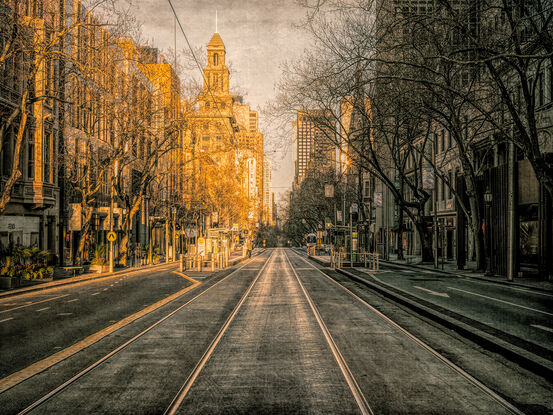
[
  {"x": 234, "y": 226},
  {"x": 112, "y": 236},
  {"x": 201, "y": 246},
  {"x": 329, "y": 190},
  {"x": 177, "y": 235}
]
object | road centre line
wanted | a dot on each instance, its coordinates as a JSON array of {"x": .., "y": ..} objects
[
  {"x": 95, "y": 293},
  {"x": 74, "y": 299},
  {"x": 501, "y": 301},
  {"x": 179, "y": 397},
  {"x": 360, "y": 399},
  {"x": 415, "y": 339},
  {"x": 44, "y": 364},
  {"x": 44, "y": 309},
  {"x": 6, "y": 319},
  {"x": 31, "y": 303},
  {"x": 542, "y": 327},
  {"x": 86, "y": 279},
  {"x": 37, "y": 367},
  {"x": 431, "y": 292}
]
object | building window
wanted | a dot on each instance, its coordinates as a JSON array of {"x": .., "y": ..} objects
[
  {"x": 47, "y": 156},
  {"x": 450, "y": 179},
  {"x": 206, "y": 126},
  {"x": 31, "y": 161},
  {"x": 215, "y": 59},
  {"x": 539, "y": 98},
  {"x": 205, "y": 138},
  {"x": 550, "y": 83}
]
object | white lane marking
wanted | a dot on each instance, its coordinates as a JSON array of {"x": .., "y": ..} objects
[
  {"x": 111, "y": 285},
  {"x": 406, "y": 270},
  {"x": 510, "y": 287},
  {"x": 542, "y": 327},
  {"x": 501, "y": 301},
  {"x": 360, "y": 399},
  {"x": 448, "y": 362},
  {"x": 105, "y": 289},
  {"x": 94, "y": 293},
  {"x": 43, "y": 309},
  {"x": 177, "y": 400},
  {"x": 113, "y": 352},
  {"x": 64, "y": 314},
  {"x": 431, "y": 292},
  {"x": 6, "y": 319},
  {"x": 74, "y": 299},
  {"x": 29, "y": 303}
]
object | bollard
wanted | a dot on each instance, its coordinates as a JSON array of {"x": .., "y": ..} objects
[
  {"x": 199, "y": 262},
  {"x": 181, "y": 263},
  {"x": 212, "y": 263}
]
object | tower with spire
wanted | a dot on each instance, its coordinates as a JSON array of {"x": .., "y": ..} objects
[{"x": 216, "y": 95}]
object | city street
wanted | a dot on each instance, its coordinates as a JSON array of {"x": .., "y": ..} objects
[{"x": 272, "y": 335}]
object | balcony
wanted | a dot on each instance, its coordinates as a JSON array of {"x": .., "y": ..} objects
[{"x": 36, "y": 194}]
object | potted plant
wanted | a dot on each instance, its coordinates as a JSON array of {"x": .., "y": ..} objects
[
  {"x": 7, "y": 272},
  {"x": 98, "y": 263}
]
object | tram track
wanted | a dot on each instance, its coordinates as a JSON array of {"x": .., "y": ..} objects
[
  {"x": 99, "y": 362},
  {"x": 420, "y": 343},
  {"x": 310, "y": 302}
]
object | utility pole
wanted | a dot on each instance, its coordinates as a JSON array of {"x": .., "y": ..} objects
[
  {"x": 111, "y": 256},
  {"x": 435, "y": 204},
  {"x": 174, "y": 216},
  {"x": 511, "y": 256},
  {"x": 167, "y": 239}
]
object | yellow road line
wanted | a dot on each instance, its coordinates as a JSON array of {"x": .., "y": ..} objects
[
  {"x": 192, "y": 280},
  {"x": 24, "y": 374}
]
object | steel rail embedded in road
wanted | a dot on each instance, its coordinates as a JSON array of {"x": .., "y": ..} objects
[
  {"x": 425, "y": 346},
  {"x": 183, "y": 391},
  {"x": 102, "y": 360},
  {"x": 364, "y": 406}
]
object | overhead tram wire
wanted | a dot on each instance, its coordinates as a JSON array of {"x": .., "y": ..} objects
[{"x": 200, "y": 68}]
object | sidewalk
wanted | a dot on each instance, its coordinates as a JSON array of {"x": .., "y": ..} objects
[
  {"x": 235, "y": 258},
  {"x": 450, "y": 267}
]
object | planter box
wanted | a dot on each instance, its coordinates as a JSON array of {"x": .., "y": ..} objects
[
  {"x": 5, "y": 283},
  {"x": 26, "y": 283},
  {"x": 99, "y": 268}
]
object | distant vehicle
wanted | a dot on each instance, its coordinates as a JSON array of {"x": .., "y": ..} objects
[{"x": 310, "y": 240}]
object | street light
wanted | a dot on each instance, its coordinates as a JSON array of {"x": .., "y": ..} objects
[{"x": 488, "y": 202}]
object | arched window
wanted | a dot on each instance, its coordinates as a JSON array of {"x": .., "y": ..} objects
[{"x": 215, "y": 59}]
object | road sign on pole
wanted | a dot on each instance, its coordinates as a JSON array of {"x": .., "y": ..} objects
[{"x": 112, "y": 236}]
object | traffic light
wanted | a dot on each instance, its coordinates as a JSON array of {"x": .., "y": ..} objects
[{"x": 177, "y": 226}]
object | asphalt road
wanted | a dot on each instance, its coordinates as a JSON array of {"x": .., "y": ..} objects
[
  {"x": 273, "y": 336},
  {"x": 524, "y": 313}
]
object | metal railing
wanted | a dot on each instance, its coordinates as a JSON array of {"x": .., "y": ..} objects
[{"x": 370, "y": 260}]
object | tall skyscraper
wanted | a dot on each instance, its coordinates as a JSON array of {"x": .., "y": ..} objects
[
  {"x": 316, "y": 143},
  {"x": 267, "y": 190}
]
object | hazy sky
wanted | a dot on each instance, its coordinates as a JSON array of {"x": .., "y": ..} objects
[{"x": 259, "y": 35}]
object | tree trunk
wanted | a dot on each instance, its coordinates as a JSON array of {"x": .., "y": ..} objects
[
  {"x": 400, "y": 232},
  {"x": 476, "y": 225},
  {"x": 425, "y": 236},
  {"x": 85, "y": 230}
]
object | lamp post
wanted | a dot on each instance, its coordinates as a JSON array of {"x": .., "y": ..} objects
[
  {"x": 487, "y": 235},
  {"x": 113, "y": 175}
]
